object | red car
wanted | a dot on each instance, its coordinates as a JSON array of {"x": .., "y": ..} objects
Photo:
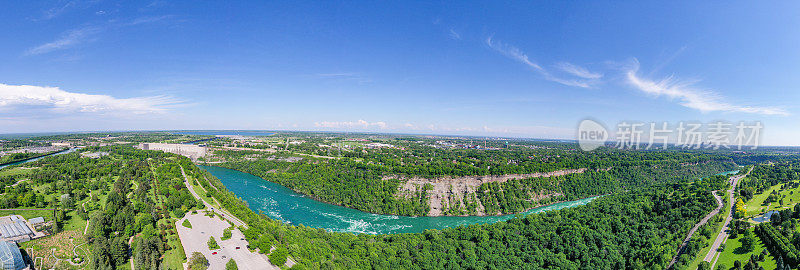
[
  {"x": 238, "y": 247},
  {"x": 214, "y": 253}
]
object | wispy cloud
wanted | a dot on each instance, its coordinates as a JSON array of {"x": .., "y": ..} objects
[
  {"x": 454, "y": 35},
  {"x": 512, "y": 52},
  {"x": 360, "y": 124},
  {"x": 68, "y": 39},
  {"x": 85, "y": 34},
  {"x": 691, "y": 97},
  {"x": 148, "y": 19},
  {"x": 518, "y": 55},
  {"x": 578, "y": 71},
  {"x": 60, "y": 101},
  {"x": 346, "y": 76}
]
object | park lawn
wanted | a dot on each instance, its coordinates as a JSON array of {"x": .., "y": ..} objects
[
  {"x": 13, "y": 171},
  {"x": 29, "y": 214},
  {"x": 731, "y": 254},
  {"x": 74, "y": 222},
  {"x": 202, "y": 193},
  {"x": 754, "y": 206}
]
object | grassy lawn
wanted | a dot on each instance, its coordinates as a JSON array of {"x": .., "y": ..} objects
[
  {"x": 755, "y": 207},
  {"x": 174, "y": 256},
  {"x": 74, "y": 222},
  {"x": 732, "y": 253},
  {"x": 13, "y": 171},
  {"x": 46, "y": 214}
]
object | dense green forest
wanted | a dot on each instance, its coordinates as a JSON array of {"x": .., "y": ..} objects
[
  {"x": 127, "y": 193},
  {"x": 371, "y": 184}
]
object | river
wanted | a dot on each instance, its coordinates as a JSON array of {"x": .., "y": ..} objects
[
  {"x": 38, "y": 158},
  {"x": 288, "y": 206}
]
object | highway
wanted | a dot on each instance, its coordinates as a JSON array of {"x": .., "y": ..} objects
[{"x": 722, "y": 236}]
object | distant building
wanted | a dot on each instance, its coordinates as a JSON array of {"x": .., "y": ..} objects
[
  {"x": 62, "y": 144},
  {"x": 11, "y": 257},
  {"x": 189, "y": 150}
]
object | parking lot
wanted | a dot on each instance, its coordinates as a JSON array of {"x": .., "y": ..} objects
[{"x": 203, "y": 227}]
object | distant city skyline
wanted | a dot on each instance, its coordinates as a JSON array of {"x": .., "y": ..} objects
[{"x": 525, "y": 70}]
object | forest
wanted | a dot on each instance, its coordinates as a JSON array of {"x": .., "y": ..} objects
[
  {"x": 130, "y": 194},
  {"x": 635, "y": 229},
  {"x": 370, "y": 182}
]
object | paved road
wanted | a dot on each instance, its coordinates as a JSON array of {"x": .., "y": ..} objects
[
  {"x": 236, "y": 221},
  {"x": 722, "y": 236},
  {"x": 702, "y": 222}
]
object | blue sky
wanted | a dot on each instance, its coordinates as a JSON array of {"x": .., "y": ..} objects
[{"x": 523, "y": 69}]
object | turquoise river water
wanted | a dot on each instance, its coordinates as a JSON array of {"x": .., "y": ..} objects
[{"x": 288, "y": 206}]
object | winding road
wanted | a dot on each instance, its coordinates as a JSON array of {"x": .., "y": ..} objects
[
  {"x": 722, "y": 236},
  {"x": 702, "y": 222}
]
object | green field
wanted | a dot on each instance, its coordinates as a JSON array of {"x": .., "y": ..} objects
[
  {"x": 29, "y": 214},
  {"x": 13, "y": 171},
  {"x": 732, "y": 253},
  {"x": 755, "y": 207}
]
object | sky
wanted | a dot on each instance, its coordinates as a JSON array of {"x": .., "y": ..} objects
[{"x": 519, "y": 69}]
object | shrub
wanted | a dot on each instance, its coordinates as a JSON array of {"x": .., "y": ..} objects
[
  {"x": 212, "y": 244},
  {"x": 226, "y": 234},
  {"x": 231, "y": 265},
  {"x": 278, "y": 256},
  {"x": 198, "y": 261},
  {"x": 187, "y": 224}
]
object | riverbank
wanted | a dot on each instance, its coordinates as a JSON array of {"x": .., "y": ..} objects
[
  {"x": 290, "y": 207},
  {"x": 24, "y": 160},
  {"x": 444, "y": 190}
]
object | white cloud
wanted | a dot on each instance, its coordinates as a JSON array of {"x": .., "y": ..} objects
[
  {"x": 360, "y": 124},
  {"x": 68, "y": 39},
  {"x": 60, "y": 101},
  {"x": 518, "y": 55},
  {"x": 512, "y": 52},
  {"x": 578, "y": 71},
  {"x": 454, "y": 35},
  {"x": 691, "y": 97},
  {"x": 345, "y": 76},
  {"x": 81, "y": 35}
]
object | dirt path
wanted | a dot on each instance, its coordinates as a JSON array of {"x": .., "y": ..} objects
[
  {"x": 130, "y": 243},
  {"x": 722, "y": 236}
]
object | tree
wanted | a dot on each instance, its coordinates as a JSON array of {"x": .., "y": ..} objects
[
  {"x": 278, "y": 256},
  {"x": 740, "y": 210},
  {"x": 704, "y": 266},
  {"x": 231, "y": 265},
  {"x": 212, "y": 244},
  {"x": 748, "y": 241},
  {"x": 198, "y": 261},
  {"x": 776, "y": 219}
]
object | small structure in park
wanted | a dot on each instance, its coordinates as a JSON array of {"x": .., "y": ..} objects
[
  {"x": 15, "y": 229},
  {"x": 11, "y": 257}
]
